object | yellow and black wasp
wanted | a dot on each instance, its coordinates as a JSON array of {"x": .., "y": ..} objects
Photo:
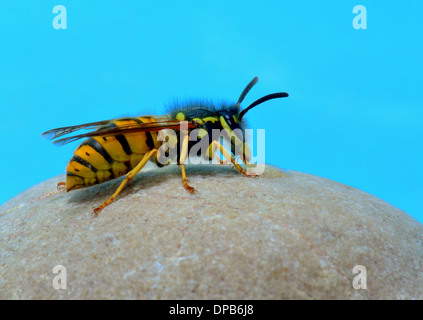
[{"x": 123, "y": 146}]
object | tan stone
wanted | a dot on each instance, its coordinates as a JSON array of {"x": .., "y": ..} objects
[{"x": 279, "y": 236}]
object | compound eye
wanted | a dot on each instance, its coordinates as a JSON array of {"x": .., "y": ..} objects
[{"x": 228, "y": 119}]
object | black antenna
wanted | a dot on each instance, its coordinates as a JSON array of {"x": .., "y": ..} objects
[
  {"x": 261, "y": 100},
  {"x": 246, "y": 90}
]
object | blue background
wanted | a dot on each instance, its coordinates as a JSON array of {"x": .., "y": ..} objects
[{"x": 355, "y": 108}]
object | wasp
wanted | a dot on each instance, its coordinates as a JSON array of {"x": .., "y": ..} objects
[{"x": 123, "y": 146}]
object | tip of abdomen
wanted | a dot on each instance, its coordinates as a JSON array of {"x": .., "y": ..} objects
[{"x": 74, "y": 182}]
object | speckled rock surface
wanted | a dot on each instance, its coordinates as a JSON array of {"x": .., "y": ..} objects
[{"x": 279, "y": 236}]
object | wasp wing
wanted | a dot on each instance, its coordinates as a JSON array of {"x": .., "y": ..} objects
[
  {"x": 58, "y": 132},
  {"x": 109, "y": 128},
  {"x": 55, "y": 133}
]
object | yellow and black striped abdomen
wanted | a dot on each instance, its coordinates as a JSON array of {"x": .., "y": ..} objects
[{"x": 104, "y": 158}]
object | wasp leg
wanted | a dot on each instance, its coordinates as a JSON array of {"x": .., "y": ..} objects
[
  {"x": 184, "y": 153},
  {"x": 185, "y": 181},
  {"x": 220, "y": 161},
  {"x": 61, "y": 186},
  {"x": 129, "y": 176},
  {"x": 228, "y": 156}
]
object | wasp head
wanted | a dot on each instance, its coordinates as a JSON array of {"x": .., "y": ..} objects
[
  {"x": 231, "y": 120},
  {"x": 234, "y": 131}
]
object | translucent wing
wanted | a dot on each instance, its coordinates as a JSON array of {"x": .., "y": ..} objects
[
  {"x": 109, "y": 128},
  {"x": 55, "y": 133}
]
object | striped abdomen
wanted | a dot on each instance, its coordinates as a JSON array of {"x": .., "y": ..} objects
[{"x": 100, "y": 159}]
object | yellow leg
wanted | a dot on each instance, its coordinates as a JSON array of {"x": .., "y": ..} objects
[
  {"x": 184, "y": 153},
  {"x": 185, "y": 181},
  {"x": 129, "y": 176},
  {"x": 61, "y": 186},
  {"x": 217, "y": 158},
  {"x": 228, "y": 156}
]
